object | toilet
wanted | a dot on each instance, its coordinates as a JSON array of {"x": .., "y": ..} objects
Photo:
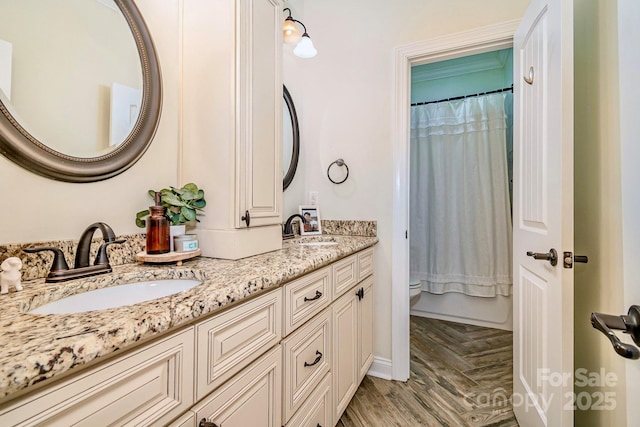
[{"x": 415, "y": 289}]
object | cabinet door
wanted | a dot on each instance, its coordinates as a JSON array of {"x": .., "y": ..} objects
[
  {"x": 149, "y": 387},
  {"x": 317, "y": 409},
  {"x": 259, "y": 133},
  {"x": 345, "y": 351},
  {"x": 251, "y": 398},
  {"x": 365, "y": 327},
  {"x": 188, "y": 419}
]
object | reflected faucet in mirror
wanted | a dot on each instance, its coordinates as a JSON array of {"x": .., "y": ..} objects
[
  {"x": 287, "y": 230},
  {"x": 60, "y": 270}
]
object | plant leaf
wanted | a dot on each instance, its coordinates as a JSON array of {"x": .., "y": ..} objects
[
  {"x": 199, "y": 204},
  {"x": 175, "y": 219},
  {"x": 140, "y": 222},
  {"x": 191, "y": 187},
  {"x": 188, "y": 213},
  {"x": 172, "y": 199},
  {"x": 189, "y": 195}
]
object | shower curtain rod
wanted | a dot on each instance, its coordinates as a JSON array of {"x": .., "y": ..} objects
[{"x": 505, "y": 89}]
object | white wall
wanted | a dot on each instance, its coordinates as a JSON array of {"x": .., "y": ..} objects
[
  {"x": 598, "y": 200},
  {"x": 36, "y": 209},
  {"x": 293, "y": 70},
  {"x": 347, "y": 111},
  {"x": 629, "y": 57}
]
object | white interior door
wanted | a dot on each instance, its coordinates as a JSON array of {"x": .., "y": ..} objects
[{"x": 543, "y": 214}]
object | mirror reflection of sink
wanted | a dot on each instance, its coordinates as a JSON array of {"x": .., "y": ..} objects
[
  {"x": 317, "y": 243},
  {"x": 116, "y": 296}
]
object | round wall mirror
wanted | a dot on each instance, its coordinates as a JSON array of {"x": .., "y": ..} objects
[
  {"x": 80, "y": 87},
  {"x": 290, "y": 139}
]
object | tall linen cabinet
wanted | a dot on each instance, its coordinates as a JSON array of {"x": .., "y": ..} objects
[{"x": 231, "y": 122}]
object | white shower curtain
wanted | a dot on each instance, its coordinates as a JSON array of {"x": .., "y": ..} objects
[{"x": 460, "y": 210}]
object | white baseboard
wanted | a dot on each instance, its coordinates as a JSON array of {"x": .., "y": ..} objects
[
  {"x": 381, "y": 368},
  {"x": 507, "y": 326}
]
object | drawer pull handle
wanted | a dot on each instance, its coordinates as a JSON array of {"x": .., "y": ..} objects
[
  {"x": 315, "y": 362},
  {"x": 318, "y": 295},
  {"x": 205, "y": 423}
]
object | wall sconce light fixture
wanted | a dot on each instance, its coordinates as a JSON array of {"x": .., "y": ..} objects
[{"x": 290, "y": 35}]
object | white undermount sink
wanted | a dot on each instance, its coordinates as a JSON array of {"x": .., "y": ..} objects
[
  {"x": 116, "y": 296},
  {"x": 318, "y": 243}
]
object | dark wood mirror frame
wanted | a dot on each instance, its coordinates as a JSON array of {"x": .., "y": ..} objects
[
  {"x": 295, "y": 154},
  {"x": 18, "y": 145}
]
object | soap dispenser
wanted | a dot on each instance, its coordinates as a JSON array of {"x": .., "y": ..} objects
[{"x": 157, "y": 228}]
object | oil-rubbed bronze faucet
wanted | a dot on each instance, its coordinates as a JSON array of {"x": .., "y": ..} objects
[
  {"x": 287, "y": 230},
  {"x": 60, "y": 270}
]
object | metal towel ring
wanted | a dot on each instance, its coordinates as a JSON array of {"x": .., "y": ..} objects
[{"x": 338, "y": 162}]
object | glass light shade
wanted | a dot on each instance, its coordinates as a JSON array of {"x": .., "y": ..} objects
[
  {"x": 305, "y": 48},
  {"x": 290, "y": 33}
]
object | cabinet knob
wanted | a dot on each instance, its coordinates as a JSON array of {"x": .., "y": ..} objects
[
  {"x": 205, "y": 423},
  {"x": 246, "y": 218}
]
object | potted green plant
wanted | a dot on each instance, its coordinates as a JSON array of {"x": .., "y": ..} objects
[{"x": 182, "y": 206}]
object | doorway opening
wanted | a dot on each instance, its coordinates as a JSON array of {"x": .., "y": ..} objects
[
  {"x": 461, "y": 145},
  {"x": 468, "y": 43}
]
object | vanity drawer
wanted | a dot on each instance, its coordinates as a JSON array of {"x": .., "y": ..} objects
[
  {"x": 345, "y": 275},
  {"x": 147, "y": 387},
  {"x": 252, "y": 398},
  {"x": 307, "y": 359},
  {"x": 232, "y": 340},
  {"x": 316, "y": 410},
  {"x": 365, "y": 263},
  {"x": 306, "y": 297}
]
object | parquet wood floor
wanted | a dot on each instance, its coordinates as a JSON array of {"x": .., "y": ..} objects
[{"x": 461, "y": 375}]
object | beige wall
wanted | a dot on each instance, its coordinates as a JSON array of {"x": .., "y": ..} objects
[
  {"x": 346, "y": 100},
  {"x": 35, "y": 208},
  {"x": 598, "y": 215}
]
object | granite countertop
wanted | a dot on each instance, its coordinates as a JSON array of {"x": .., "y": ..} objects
[{"x": 34, "y": 348}]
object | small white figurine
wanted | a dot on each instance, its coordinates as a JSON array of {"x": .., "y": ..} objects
[{"x": 10, "y": 275}]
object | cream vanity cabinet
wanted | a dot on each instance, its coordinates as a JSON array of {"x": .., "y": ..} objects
[
  {"x": 293, "y": 356},
  {"x": 231, "y": 122},
  {"x": 327, "y": 357}
]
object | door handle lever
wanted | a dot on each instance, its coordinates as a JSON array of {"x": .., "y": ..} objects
[
  {"x": 551, "y": 256},
  {"x": 630, "y": 324}
]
